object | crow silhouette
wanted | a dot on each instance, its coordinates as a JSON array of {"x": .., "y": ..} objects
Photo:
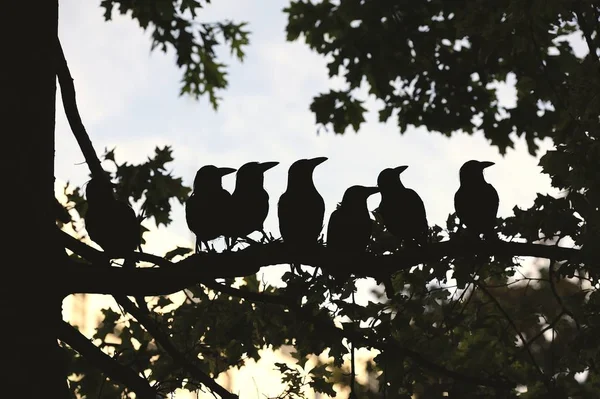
[
  {"x": 476, "y": 201},
  {"x": 350, "y": 225},
  {"x": 112, "y": 224},
  {"x": 401, "y": 208},
  {"x": 301, "y": 208},
  {"x": 249, "y": 200},
  {"x": 206, "y": 210}
]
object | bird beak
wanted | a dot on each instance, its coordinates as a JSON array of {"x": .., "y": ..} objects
[
  {"x": 371, "y": 190},
  {"x": 485, "y": 164},
  {"x": 401, "y": 169},
  {"x": 226, "y": 171},
  {"x": 268, "y": 165},
  {"x": 317, "y": 161}
]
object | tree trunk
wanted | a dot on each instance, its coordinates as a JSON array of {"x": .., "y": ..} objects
[{"x": 29, "y": 300}]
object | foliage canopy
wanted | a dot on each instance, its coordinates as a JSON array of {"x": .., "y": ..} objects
[{"x": 496, "y": 333}]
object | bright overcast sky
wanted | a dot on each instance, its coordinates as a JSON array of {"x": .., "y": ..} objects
[{"x": 128, "y": 99}]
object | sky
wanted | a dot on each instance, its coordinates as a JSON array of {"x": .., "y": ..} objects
[{"x": 128, "y": 98}]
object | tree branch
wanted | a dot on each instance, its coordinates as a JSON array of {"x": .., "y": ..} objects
[
  {"x": 355, "y": 337},
  {"x": 165, "y": 342},
  {"x": 518, "y": 332},
  {"x": 67, "y": 91},
  {"x": 113, "y": 369},
  {"x": 174, "y": 276},
  {"x": 587, "y": 34}
]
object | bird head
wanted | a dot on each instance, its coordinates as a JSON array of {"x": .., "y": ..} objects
[
  {"x": 209, "y": 176},
  {"x": 390, "y": 177},
  {"x": 301, "y": 170},
  {"x": 99, "y": 190},
  {"x": 472, "y": 171},
  {"x": 251, "y": 173},
  {"x": 358, "y": 195}
]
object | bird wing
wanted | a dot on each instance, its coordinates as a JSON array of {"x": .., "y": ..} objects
[
  {"x": 477, "y": 206},
  {"x": 131, "y": 233},
  {"x": 463, "y": 205},
  {"x": 114, "y": 226},
  {"x": 192, "y": 208},
  {"x": 335, "y": 229},
  {"x": 490, "y": 196},
  {"x": 300, "y": 216}
]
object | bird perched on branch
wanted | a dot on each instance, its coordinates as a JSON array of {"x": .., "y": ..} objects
[
  {"x": 476, "y": 201},
  {"x": 401, "y": 208},
  {"x": 206, "y": 209},
  {"x": 350, "y": 225},
  {"x": 112, "y": 224},
  {"x": 301, "y": 208},
  {"x": 249, "y": 200}
]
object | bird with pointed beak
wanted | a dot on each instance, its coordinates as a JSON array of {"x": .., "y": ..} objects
[
  {"x": 301, "y": 208},
  {"x": 206, "y": 210},
  {"x": 476, "y": 201},
  {"x": 249, "y": 200},
  {"x": 401, "y": 209}
]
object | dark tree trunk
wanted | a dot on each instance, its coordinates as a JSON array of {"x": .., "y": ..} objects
[{"x": 30, "y": 302}]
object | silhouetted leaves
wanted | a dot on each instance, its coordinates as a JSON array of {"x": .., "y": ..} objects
[
  {"x": 431, "y": 64},
  {"x": 173, "y": 24},
  {"x": 434, "y": 64}
]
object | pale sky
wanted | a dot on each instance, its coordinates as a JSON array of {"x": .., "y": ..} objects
[{"x": 128, "y": 99}]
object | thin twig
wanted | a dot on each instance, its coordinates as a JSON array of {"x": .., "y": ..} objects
[
  {"x": 514, "y": 326},
  {"x": 67, "y": 91},
  {"x": 355, "y": 337},
  {"x": 163, "y": 340},
  {"x": 108, "y": 365},
  {"x": 586, "y": 32}
]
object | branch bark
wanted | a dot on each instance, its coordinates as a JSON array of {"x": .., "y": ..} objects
[
  {"x": 171, "y": 277},
  {"x": 67, "y": 91},
  {"x": 105, "y": 363},
  {"x": 355, "y": 337},
  {"x": 165, "y": 342}
]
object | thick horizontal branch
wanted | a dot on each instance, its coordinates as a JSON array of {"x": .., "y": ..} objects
[
  {"x": 165, "y": 342},
  {"x": 389, "y": 346},
  {"x": 109, "y": 366},
  {"x": 175, "y": 276}
]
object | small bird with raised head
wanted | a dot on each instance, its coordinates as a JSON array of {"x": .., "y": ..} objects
[
  {"x": 206, "y": 210},
  {"x": 401, "y": 208},
  {"x": 476, "y": 201},
  {"x": 249, "y": 200},
  {"x": 301, "y": 208},
  {"x": 350, "y": 225}
]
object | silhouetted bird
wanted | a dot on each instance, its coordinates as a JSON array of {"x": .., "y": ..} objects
[
  {"x": 301, "y": 208},
  {"x": 249, "y": 201},
  {"x": 401, "y": 208},
  {"x": 476, "y": 201},
  {"x": 350, "y": 225},
  {"x": 112, "y": 224},
  {"x": 206, "y": 209}
]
